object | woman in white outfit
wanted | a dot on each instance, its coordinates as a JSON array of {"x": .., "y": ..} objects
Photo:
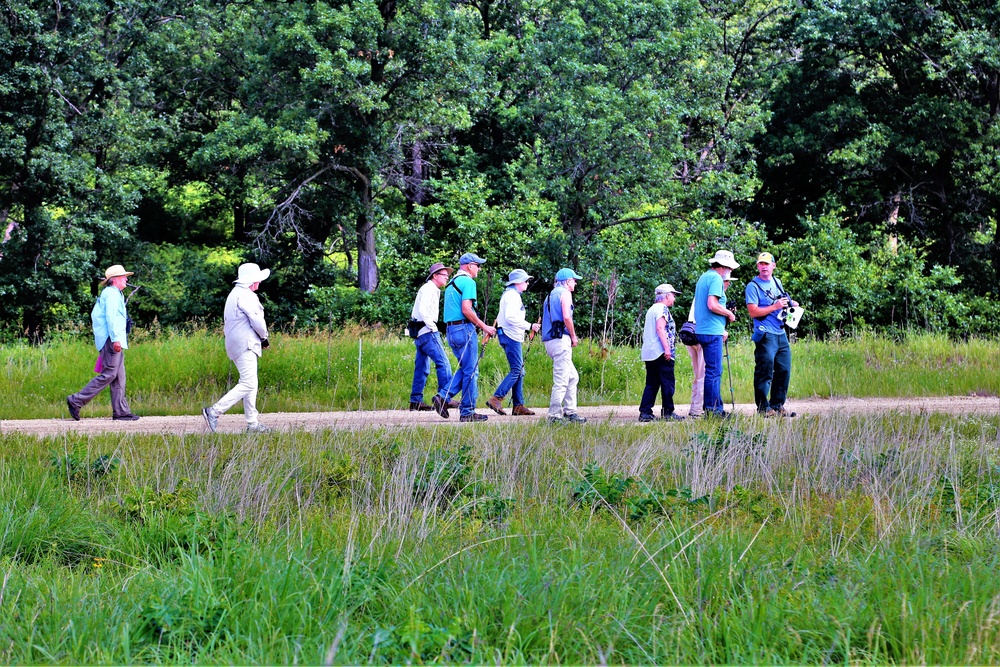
[{"x": 246, "y": 337}]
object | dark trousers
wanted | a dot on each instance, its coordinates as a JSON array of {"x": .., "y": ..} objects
[
  {"x": 112, "y": 375},
  {"x": 659, "y": 379},
  {"x": 772, "y": 371}
]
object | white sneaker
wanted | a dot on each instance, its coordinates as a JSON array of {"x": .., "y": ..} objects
[
  {"x": 211, "y": 418},
  {"x": 258, "y": 428}
]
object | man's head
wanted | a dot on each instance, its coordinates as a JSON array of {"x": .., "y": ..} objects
[
  {"x": 567, "y": 278},
  {"x": 666, "y": 294},
  {"x": 765, "y": 265},
  {"x": 117, "y": 276},
  {"x": 439, "y": 273},
  {"x": 469, "y": 262},
  {"x": 519, "y": 279}
]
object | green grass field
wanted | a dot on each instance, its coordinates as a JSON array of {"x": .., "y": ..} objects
[
  {"x": 179, "y": 374},
  {"x": 822, "y": 539},
  {"x": 867, "y": 540}
]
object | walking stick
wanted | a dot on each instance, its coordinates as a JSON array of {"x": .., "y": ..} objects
[
  {"x": 531, "y": 332},
  {"x": 729, "y": 367}
]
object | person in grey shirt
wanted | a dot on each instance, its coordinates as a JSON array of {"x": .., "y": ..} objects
[
  {"x": 246, "y": 338},
  {"x": 659, "y": 350}
]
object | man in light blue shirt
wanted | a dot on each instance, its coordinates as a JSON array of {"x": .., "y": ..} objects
[
  {"x": 711, "y": 317},
  {"x": 110, "y": 323},
  {"x": 766, "y": 299}
]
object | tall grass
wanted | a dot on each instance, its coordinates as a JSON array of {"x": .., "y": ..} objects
[
  {"x": 180, "y": 373},
  {"x": 866, "y": 540}
]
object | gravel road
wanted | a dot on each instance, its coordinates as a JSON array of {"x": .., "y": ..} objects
[{"x": 311, "y": 421}]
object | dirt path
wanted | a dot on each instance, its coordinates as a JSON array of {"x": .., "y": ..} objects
[{"x": 312, "y": 421}]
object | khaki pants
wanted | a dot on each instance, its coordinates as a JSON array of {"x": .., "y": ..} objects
[
  {"x": 698, "y": 381},
  {"x": 112, "y": 375},
  {"x": 564, "y": 377}
]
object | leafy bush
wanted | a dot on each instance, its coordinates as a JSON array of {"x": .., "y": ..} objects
[
  {"x": 599, "y": 488},
  {"x": 73, "y": 467}
]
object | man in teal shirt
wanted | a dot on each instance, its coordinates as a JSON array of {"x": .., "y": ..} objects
[
  {"x": 462, "y": 321},
  {"x": 710, "y": 319}
]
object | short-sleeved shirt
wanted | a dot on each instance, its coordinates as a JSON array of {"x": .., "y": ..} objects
[
  {"x": 706, "y": 322},
  {"x": 462, "y": 287},
  {"x": 764, "y": 293},
  {"x": 652, "y": 348}
]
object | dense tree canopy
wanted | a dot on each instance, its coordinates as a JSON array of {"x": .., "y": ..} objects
[{"x": 348, "y": 144}]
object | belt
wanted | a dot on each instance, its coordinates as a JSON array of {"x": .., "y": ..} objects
[{"x": 454, "y": 322}]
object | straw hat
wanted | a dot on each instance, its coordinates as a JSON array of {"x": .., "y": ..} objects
[{"x": 114, "y": 271}]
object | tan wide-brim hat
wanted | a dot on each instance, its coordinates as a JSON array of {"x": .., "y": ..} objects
[{"x": 114, "y": 271}]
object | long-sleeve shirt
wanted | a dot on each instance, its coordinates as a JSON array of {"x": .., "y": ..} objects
[
  {"x": 108, "y": 318},
  {"x": 511, "y": 317},
  {"x": 245, "y": 326},
  {"x": 426, "y": 307}
]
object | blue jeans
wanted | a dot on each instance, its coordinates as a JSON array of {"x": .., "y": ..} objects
[
  {"x": 659, "y": 380},
  {"x": 772, "y": 371},
  {"x": 464, "y": 343},
  {"x": 429, "y": 348},
  {"x": 515, "y": 378},
  {"x": 711, "y": 347}
]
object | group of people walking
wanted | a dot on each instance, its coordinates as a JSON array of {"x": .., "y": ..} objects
[
  {"x": 462, "y": 326},
  {"x": 246, "y": 336}
]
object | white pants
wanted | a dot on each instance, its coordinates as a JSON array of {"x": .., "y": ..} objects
[
  {"x": 697, "y": 381},
  {"x": 564, "y": 377},
  {"x": 245, "y": 389}
]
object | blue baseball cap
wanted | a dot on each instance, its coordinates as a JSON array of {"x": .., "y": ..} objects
[
  {"x": 566, "y": 274},
  {"x": 470, "y": 258}
]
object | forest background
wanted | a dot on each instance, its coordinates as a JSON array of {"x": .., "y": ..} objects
[{"x": 348, "y": 145}]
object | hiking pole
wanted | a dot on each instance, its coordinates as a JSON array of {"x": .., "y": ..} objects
[
  {"x": 531, "y": 332},
  {"x": 729, "y": 367}
]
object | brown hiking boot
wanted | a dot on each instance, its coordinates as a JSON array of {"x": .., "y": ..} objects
[
  {"x": 419, "y": 406},
  {"x": 496, "y": 405},
  {"x": 453, "y": 404},
  {"x": 521, "y": 410},
  {"x": 440, "y": 406}
]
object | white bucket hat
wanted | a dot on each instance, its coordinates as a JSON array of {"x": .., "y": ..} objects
[
  {"x": 250, "y": 274},
  {"x": 114, "y": 271},
  {"x": 724, "y": 258}
]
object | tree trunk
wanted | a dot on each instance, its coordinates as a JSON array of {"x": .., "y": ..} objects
[
  {"x": 367, "y": 259},
  {"x": 239, "y": 222}
]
